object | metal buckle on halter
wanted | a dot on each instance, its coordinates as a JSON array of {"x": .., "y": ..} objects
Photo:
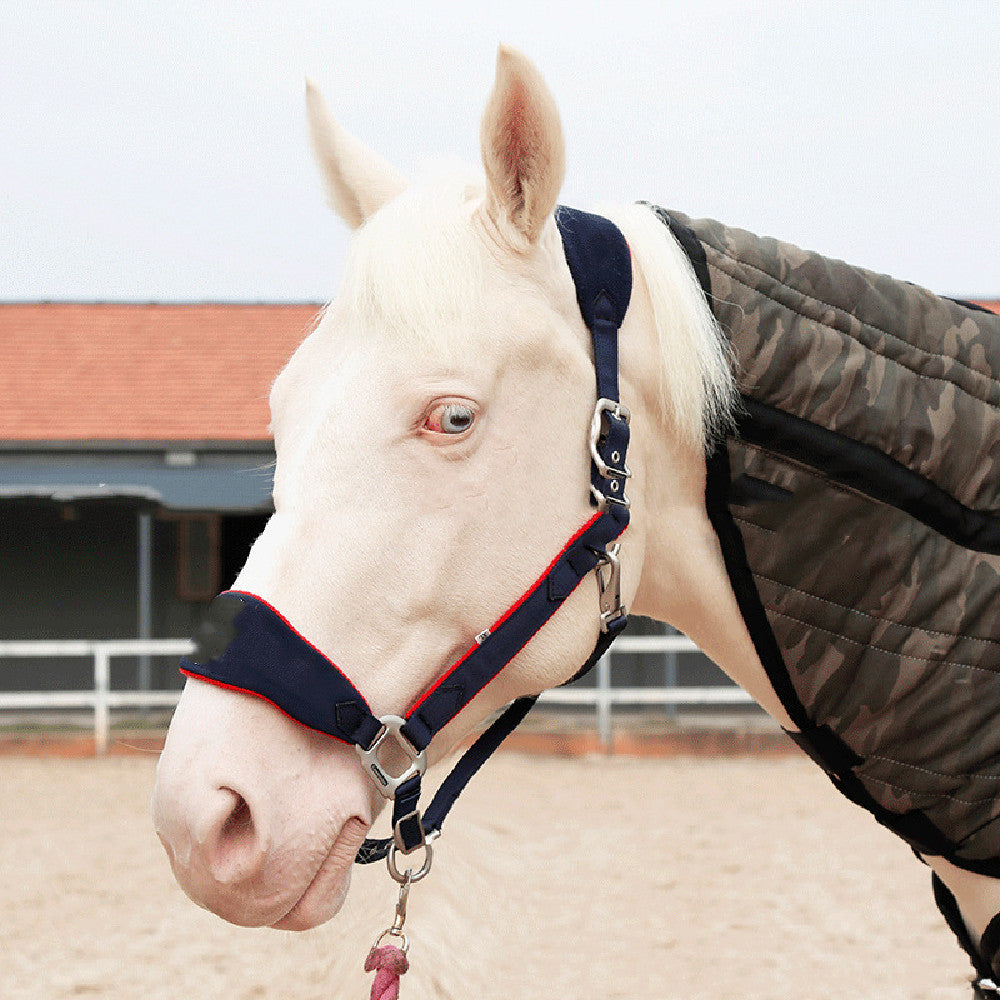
[
  {"x": 610, "y": 586},
  {"x": 597, "y": 430},
  {"x": 612, "y": 473},
  {"x": 987, "y": 986},
  {"x": 385, "y": 782}
]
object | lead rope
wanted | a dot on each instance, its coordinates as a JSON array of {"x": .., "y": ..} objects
[{"x": 389, "y": 961}]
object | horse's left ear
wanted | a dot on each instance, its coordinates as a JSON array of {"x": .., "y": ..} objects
[
  {"x": 358, "y": 181},
  {"x": 523, "y": 150}
]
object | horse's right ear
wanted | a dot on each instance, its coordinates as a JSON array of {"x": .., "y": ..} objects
[
  {"x": 358, "y": 181},
  {"x": 523, "y": 150}
]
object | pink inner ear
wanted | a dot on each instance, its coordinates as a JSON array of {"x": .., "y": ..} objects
[
  {"x": 522, "y": 149},
  {"x": 517, "y": 112}
]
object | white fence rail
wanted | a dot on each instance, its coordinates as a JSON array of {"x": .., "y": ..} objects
[
  {"x": 603, "y": 695},
  {"x": 102, "y": 699}
]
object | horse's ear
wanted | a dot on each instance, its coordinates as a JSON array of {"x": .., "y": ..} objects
[
  {"x": 358, "y": 181},
  {"x": 523, "y": 150}
]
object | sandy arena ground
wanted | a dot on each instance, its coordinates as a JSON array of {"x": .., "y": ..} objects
[{"x": 587, "y": 878}]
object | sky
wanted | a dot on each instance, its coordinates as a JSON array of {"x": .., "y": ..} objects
[{"x": 158, "y": 150}]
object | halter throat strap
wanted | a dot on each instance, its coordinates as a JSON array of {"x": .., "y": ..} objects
[{"x": 247, "y": 645}]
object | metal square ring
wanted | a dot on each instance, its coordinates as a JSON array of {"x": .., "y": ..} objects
[{"x": 387, "y": 783}]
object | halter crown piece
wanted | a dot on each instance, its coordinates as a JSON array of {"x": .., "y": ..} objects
[{"x": 247, "y": 645}]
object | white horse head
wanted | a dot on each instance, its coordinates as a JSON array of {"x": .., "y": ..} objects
[{"x": 432, "y": 457}]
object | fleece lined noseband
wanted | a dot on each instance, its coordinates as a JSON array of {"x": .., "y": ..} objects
[{"x": 247, "y": 645}]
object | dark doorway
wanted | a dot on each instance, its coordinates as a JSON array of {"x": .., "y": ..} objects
[{"x": 237, "y": 532}]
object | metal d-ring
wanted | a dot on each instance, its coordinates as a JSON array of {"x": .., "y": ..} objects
[
  {"x": 404, "y": 946},
  {"x": 409, "y": 876}
]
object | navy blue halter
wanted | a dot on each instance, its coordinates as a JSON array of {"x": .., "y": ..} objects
[{"x": 247, "y": 645}]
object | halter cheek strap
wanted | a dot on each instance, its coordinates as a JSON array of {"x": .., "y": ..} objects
[{"x": 247, "y": 645}]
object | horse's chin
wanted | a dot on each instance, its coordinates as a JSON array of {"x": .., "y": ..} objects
[
  {"x": 325, "y": 894},
  {"x": 317, "y": 905}
]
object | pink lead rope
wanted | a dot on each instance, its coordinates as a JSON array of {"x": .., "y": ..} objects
[{"x": 388, "y": 963}]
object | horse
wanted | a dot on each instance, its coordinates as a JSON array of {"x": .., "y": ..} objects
[{"x": 437, "y": 442}]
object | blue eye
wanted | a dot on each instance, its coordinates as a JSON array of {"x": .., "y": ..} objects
[
  {"x": 450, "y": 418},
  {"x": 456, "y": 418}
]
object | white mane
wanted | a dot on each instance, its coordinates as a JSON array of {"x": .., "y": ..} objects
[{"x": 697, "y": 385}]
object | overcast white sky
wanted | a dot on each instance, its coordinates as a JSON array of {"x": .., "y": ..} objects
[{"x": 158, "y": 151}]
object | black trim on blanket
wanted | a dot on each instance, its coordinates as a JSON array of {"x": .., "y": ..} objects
[
  {"x": 718, "y": 496},
  {"x": 948, "y": 906},
  {"x": 869, "y": 471},
  {"x": 692, "y": 246},
  {"x": 974, "y": 306},
  {"x": 717, "y": 485}
]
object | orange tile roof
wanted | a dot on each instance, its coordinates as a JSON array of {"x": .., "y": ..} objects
[
  {"x": 118, "y": 372},
  {"x": 137, "y": 372},
  {"x": 993, "y": 306}
]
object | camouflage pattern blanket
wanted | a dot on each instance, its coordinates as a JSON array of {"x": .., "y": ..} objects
[{"x": 858, "y": 506}]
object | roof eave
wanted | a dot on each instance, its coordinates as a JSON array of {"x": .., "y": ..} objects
[{"x": 149, "y": 445}]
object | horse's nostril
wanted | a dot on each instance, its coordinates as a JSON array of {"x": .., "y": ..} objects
[
  {"x": 238, "y": 850},
  {"x": 239, "y": 823}
]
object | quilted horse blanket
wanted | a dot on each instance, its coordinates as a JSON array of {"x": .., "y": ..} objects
[{"x": 858, "y": 508}]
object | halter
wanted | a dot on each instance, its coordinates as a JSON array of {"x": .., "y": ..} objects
[{"x": 246, "y": 645}]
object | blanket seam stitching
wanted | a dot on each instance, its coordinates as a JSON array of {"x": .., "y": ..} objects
[
  {"x": 880, "y": 649},
  {"x": 876, "y": 618},
  {"x": 927, "y": 770},
  {"x": 937, "y": 795}
]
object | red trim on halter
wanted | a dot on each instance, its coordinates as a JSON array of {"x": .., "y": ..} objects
[
  {"x": 505, "y": 616},
  {"x": 441, "y": 680}
]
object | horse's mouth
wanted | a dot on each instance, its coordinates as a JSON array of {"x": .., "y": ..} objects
[{"x": 325, "y": 894}]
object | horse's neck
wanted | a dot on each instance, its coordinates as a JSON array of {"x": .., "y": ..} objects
[{"x": 683, "y": 579}]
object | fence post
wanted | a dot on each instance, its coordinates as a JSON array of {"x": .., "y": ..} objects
[
  {"x": 144, "y": 600},
  {"x": 604, "y": 701},
  {"x": 102, "y": 678},
  {"x": 670, "y": 673}
]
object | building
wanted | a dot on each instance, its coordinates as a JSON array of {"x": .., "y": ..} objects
[{"x": 135, "y": 469}]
